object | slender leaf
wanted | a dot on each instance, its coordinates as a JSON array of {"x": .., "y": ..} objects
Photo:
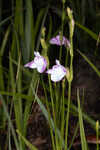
[
  {"x": 47, "y": 117},
  {"x": 82, "y": 132},
  {"x": 90, "y": 63},
  {"x": 26, "y": 141},
  {"x": 28, "y": 30},
  {"x": 10, "y": 122}
]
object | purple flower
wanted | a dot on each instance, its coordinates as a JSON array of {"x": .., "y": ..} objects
[
  {"x": 57, "y": 72},
  {"x": 39, "y": 63},
  {"x": 56, "y": 40}
]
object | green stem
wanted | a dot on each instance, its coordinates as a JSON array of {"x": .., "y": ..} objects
[
  {"x": 62, "y": 28},
  {"x": 63, "y": 111},
  {"x": 71, "y": 26},
  {"x": 67, "y": 118},
  {"x": 54, "y": 117}
]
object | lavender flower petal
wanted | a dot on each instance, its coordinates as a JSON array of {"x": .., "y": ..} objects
[
  {"x": 39, "y": 62},
  {"x": 31, "y": 64},
  {"x": 57, "y": 41}
]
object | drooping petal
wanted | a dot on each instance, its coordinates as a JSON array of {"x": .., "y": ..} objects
[
  {"x": 31, "y": 64},
  {"x": 57, "y": 41}
]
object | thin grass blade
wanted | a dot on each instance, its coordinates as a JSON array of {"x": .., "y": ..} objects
[{"x": 82, "y": 132}]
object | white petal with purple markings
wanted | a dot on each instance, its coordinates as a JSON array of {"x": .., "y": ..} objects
[
  {"x": 39, "y": 62},
  {"x": 57, "y": 72}
]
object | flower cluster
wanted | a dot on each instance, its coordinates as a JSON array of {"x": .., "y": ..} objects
[{"x": 57, "y": 71}]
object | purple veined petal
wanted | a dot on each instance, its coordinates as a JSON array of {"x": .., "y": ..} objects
[
  {"x": 61, "y": 42},
  {"x": 56, "y": 40},
  {"x": 31, "y": 64},
  {"x": 66, "y": 42},
  {"x": 57, "y": 72},
  {"x": 39, "y": 63}
]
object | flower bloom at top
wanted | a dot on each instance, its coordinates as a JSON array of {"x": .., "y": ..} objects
[
  {"x": 57, "y": 72},
  {"x": 56, "y": 40},
  {"x": 39, "y": 63}
]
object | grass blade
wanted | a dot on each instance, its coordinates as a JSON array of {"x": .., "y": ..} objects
[
  {"x": 82, "y": 132},
  {"x": 28, "y": 31},
  {"x": 26, "y": 141},
  {"x": 48, "y": 117},
  {"x": 90, "y": 63},
  {"x": 10, "y": 123}
]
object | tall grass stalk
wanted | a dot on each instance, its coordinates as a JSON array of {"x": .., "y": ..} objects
[
  {"x": 54, "y": 112},
  {"x": 49, "y": 116},
  {"x": 29, "y": 145},
  {"x": 82, "y": 132},
  {"x": 62, "y": 26},
  {"x": 63, "y": 109},
  {"x": 17, "y": 101},
  {"x": 74, "y": 136},
  {"x": 49, "y": 119},
  {"x": 85, "y": 116},
  {"x": 70, "y": 78},
  {"x": 2, "y": 73},
  {"x": 33, "y": 82},
  {"x": 10, "y": 122},
  {"x": 29, "y": 32},
  {"x": 97, "y": 133},
  {"x": 90, "y": 63},
  {"x": 17, "y": 26}
]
